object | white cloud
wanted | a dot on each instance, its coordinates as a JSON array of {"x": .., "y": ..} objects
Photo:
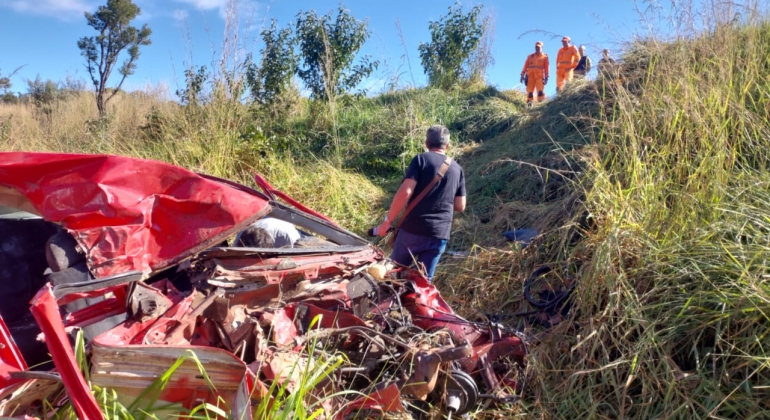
[
  {"x": 73, "y": 9},
  {"x": 205, "y": 4},
  {"x": 62, "y": 9},
  {"x": 244, "y": 7}
]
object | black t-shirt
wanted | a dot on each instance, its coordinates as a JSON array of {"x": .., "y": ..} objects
[
  {"x": 432, "y": 216},
  {"x": 582, "y": 64}
]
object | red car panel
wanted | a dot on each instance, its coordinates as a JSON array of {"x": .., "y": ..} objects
[{"x": 127, "y": 213}]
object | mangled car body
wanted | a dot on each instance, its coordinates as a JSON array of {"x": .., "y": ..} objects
[{"x": 134, "y": 253}]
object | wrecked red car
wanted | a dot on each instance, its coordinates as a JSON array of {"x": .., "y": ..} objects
[{"x": 133, "y": 256}]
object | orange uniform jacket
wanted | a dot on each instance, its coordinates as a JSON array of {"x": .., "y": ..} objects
[
  {"x": 536, "y": 66},
  {"x": 568, "y": 57}
]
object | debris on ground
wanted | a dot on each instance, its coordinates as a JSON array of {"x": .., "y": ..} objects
[{"x": 159, "y": 296}]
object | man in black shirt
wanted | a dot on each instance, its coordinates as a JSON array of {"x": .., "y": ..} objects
[
  {"x": 584, "y": 66},
  {"x": 425, "y": 231}
]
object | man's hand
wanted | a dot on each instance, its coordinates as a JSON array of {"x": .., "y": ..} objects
[
  {"x": 545, "y": 81},
  {"x": 382, "y": 229},
  {"x": 521, "y": 80},
  {"x": 399, "y": 203}
]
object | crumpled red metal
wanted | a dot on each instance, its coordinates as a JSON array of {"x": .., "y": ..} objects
[
  {"x": 127, "y": 213},
  {"x": 136, "y": 215}
]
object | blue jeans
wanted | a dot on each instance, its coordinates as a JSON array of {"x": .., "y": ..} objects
[{"x": 424, "y": 250}]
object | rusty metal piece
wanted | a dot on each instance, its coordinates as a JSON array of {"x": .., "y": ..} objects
[
  {"x": 425, "y": 368},
  {"x": 236, "y": 330},
  {"x": 386, "y": 400},
  {"x": 286, "y": 368},
  {"x": 183, "y": 331},
  {"x": 147, "y": 302},
  {"x": 219, "y": 310},
  {"x": 488, "y": 374}
]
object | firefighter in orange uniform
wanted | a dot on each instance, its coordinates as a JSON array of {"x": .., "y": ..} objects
[
  {"x": 566, "y": 61},
  {"x": 535, "y": 73}
]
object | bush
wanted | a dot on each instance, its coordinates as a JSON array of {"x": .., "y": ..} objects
[
  {"x": 328, "y": 48},
  {"x": 453, "y": 39}
]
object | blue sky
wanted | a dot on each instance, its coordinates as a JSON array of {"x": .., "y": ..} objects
[{"x": 42, "y": 35}]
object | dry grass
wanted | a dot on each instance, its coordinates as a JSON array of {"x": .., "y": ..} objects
[
  {"x": 529, "y": 176},
  {"x": 72, "y": 125},
  {"x": 670, "y": 316},
  {"x": 204, "y": 139}
]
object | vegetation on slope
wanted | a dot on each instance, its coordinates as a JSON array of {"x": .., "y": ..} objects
[
  {"x": 308, "y": 151},
  {"x": 669, "y": 317}
]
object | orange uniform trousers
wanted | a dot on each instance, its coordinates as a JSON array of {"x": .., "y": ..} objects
[
  {"x": 566, "y": 61},
  {"x": 563, "y": 75},
  {"x": 535, "y": 82}
]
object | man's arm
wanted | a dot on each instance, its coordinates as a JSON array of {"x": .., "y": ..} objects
[
  {"x": 460, "y": 203},
  {"x": 460, "y": 194},
  {"x": 399, "y": 203}
]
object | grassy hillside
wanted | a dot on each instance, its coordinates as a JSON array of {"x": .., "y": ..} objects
[
  {"x": 650, "y": 188},
  {"x": 669, "y": 246},
  {"x": 307, "y": 150}
]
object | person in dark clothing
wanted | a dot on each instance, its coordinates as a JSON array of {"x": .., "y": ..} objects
[
  {"x": 606, "y": 66},
  {"x": 424, "y": 233},
  {"x": 584, "y": 66}
]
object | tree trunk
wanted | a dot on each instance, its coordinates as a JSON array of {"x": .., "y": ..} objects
[{"x": 100, "y": 102}]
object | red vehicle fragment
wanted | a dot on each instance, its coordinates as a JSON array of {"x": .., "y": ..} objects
[
  {"x": 126, "y": 213},
  {"x": 11, "y": 359},
  {"x": 166, "y": 291},
  {"x": 46, "y": 312}
]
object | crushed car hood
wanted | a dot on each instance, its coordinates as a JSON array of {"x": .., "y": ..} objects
[
  {"x": 127, "y": 213},
  {"x": 226, "y": 326}
]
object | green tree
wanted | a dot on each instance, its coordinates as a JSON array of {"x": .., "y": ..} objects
[
  {"x": 453, "y": 39},
  {"x": 5, "y": 90},
  {"x": 328, "y": 47},
  {"x": 5, "y": 87},
  {"x": 279, "y": 62},
  {"x": 195, "y": 81},
  {"x": 44, "y": 92},
  {"x": 101, "y": 52},
  {"x": 5, "y": 84}
]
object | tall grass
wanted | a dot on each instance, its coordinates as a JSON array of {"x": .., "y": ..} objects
[
  {"x": 72, "y": 124},
  {"x": 676, "y": 280},
  {"x": 670, "y": 317}
]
